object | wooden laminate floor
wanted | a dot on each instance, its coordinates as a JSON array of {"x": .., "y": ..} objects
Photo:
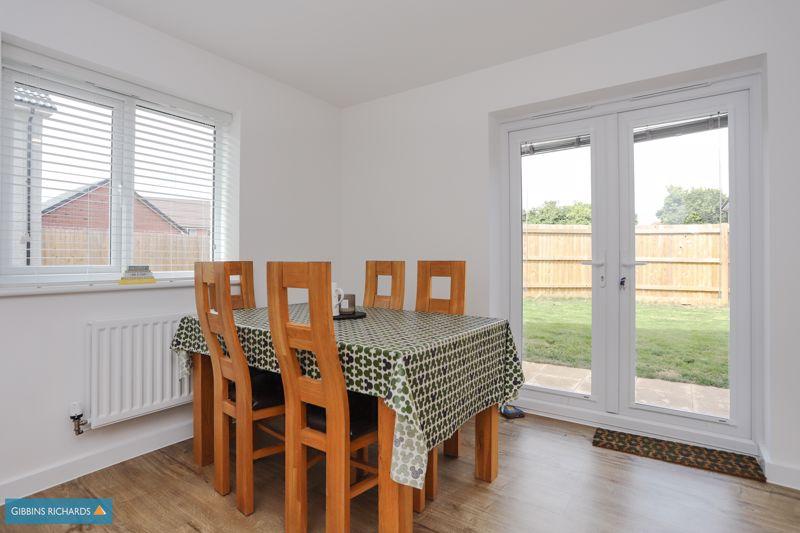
[{"x": 551, "y": 479}]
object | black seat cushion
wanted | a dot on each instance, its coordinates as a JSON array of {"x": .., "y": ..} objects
[
  {"x": 267, "y": 389},
  {"x": 363, "y": 415}
]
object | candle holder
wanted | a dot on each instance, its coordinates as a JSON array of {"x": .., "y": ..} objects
[{"x": 348, "y": 305}]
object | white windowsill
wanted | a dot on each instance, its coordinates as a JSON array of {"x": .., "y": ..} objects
[{"x": 90, "y": 286}]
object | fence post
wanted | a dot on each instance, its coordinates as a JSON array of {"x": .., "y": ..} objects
[{"x": 724, "y": 263}]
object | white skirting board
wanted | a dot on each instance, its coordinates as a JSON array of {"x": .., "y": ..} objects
[
  {"x": 96, "y": 459},
  {"x": 780, "y": 474}
]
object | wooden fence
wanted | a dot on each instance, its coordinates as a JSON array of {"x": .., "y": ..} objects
[
  {"x": 163, "y": 252},
  {"x": 687, "y": 263}
]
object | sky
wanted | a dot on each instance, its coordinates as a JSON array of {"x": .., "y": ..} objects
[{"x": 689, "y": 161}]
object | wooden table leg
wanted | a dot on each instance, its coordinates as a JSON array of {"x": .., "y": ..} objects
[
  {"x": 431, "y": 488},
  {"x": 418, "y": 499},
  {"x": 486, "y": 448},
  {"x": 432, "y": 475},
  {"x": 203, "y": 391},
  {"x": 452, "y": 445},
  {"x": 394, "y": 500}
]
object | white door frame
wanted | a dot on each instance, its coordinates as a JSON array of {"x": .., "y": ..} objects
[
  {"x": 619, "y": 416},
  {"x": 735, "y": 105}
]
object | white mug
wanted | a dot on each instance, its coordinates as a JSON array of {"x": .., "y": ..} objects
[{"x": 337, "y": 295}]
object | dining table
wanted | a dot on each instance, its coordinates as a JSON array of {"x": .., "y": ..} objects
[{"x": 432, "y": 372}]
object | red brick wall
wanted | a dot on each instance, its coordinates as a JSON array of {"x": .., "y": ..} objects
[
  {"x": 145, "y": 220},
  {"x": 91, "y": 211}
]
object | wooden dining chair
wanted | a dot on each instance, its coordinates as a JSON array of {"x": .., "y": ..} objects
[
  {"x": 456, "y": 271},
  {"x": 248, "y": 396},
  {"x": 397, "y": 271},
  {"x": 320, "y": 413}
]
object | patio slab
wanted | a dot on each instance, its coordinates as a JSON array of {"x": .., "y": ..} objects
[
  {"x": 555, "y": 382},
  {"x": 557, "y": 377},
  {"x": 711, "y": 400},
  {"x": 585, "y": 385},
  {"x": 669, "y": 394},
  {"x": 688, "y": 397}
]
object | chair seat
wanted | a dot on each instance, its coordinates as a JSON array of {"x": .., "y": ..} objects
[
  {"x": 363, "y": 415},
  {"x": 267, "y": 389}
]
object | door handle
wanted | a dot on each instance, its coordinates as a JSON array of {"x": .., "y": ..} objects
[
  {"x": 599, "y": 264},
  {"x": 635, "y": 264}
]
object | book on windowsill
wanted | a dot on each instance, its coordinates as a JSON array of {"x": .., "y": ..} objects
[{"x": 137, "y": 275}]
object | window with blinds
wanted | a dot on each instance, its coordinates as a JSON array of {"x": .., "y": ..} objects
[{"x": 94, "y": 181}]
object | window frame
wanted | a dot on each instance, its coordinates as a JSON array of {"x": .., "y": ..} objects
[
  {"x": 9, "y": 272},
  {"x": 124, "y": 98}
]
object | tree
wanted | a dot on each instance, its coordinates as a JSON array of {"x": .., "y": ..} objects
[
  {"x": 693, "y": 206},
  {"x": 552, "y": 213}
]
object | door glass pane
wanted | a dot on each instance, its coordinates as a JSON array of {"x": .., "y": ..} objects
[
  {"x": 681, "y": 236},
  {"x": 556, "y": 240}
]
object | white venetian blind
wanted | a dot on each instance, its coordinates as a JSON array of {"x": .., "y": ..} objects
[
  {"x": 94, "y": 181},
  {"x": 174, "y": 160}
]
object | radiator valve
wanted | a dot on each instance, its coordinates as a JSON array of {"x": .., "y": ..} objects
[{"x": 76, "y": 415}]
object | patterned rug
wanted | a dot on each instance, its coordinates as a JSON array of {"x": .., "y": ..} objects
[{"x": 730, "y": 463}]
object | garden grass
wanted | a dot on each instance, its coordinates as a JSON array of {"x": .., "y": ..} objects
[{"x": 688, "y": 344}]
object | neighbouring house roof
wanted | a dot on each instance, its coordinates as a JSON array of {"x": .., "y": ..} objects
[
  {"x": 191, "y": 213},
  {"x": 171, "y": 220},
  {"x": 70, "y": 196}
]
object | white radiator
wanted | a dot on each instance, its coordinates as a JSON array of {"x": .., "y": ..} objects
[{"x": 131, "y": 370}]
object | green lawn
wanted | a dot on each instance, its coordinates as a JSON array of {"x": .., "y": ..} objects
[{"x": 674, "y": 342}]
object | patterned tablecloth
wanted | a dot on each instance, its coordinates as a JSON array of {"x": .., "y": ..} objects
[{"x": 435, "y": 371}]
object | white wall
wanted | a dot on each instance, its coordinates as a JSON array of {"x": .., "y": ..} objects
[
  {"x": 418, "y": 172},
  {"x": 415, "y": 173},
  {"x": 289, "y": 174}
]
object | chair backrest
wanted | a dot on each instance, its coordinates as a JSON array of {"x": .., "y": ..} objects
[
  {"x": 215, "y": 306},
  {"x": 395, "y": 269},
  {"x": 317, "y": 337},
  {"x": 246, "y": 297},
  {"x": 456, "y": 271}
]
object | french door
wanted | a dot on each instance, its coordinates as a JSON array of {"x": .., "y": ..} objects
[
  {"x": 563, "y": 231},
  {"x": 629, "y": 240}
]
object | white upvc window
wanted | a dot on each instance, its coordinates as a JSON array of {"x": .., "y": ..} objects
[{"x": 96, "y": 179}]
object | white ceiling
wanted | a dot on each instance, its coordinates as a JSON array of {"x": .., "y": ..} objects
[{"x": 351, "y": 51}]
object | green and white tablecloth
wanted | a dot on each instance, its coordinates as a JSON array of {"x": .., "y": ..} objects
[{"x": 434, "y": 370}]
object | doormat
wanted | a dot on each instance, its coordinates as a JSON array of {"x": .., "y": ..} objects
[{"x": 733, "y": 464}]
